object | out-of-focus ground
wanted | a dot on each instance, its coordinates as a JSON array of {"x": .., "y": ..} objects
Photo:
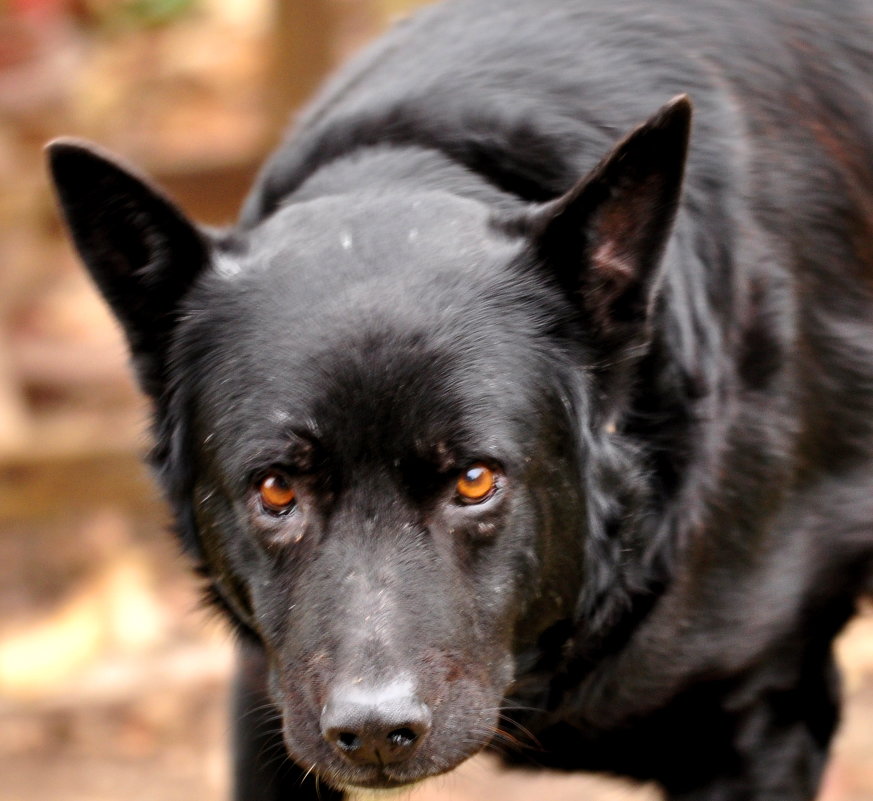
[{"x": 113, "y": 682}]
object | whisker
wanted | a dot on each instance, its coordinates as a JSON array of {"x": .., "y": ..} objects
[
  {"x": 507, "y": 737},
  {"x": 258, "y": 710},
  {"x": 308, "y": 772},
  {"x": 277, "y": 758},
  {"x": 534, "y": 741}
]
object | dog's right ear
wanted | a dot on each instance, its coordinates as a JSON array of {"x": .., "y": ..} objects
[{"x": 140, "y": 249}]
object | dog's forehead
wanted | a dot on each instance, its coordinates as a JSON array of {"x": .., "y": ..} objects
[
  {"x": 372, "y": 324},
  {"x": 371, "y": 393},
  {"x": 315, "y": 264},
  {"x": 333, "y": 238},
  {"x": 336, "y": 267}
]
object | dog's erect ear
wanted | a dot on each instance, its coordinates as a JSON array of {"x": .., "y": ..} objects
[
  {"x": 606, "y": 236},
  {"x": 140, "y": 249}
]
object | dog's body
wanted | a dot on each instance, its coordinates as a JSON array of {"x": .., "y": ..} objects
[{"x": 455, "y": 433}]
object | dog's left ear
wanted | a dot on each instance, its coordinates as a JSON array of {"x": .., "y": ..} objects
[
  {"x": 604, "y": 239},
  {"x": 140, "y": 249}
]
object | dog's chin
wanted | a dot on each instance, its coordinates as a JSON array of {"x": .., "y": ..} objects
[
  {"x": 378, "y": 782},
  {"x": 355, "y": 792}
]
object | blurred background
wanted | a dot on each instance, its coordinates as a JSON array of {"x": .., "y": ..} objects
[{"x": 113, "y": 681}]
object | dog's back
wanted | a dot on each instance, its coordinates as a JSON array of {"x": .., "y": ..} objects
[{"x": 533, "y": 94}]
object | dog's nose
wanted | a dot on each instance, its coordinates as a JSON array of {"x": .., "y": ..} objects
[{"x": 375, "y": 726}]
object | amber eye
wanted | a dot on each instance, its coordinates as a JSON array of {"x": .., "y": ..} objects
[
  {"x": 476, "y": 484},
  {"x": 276, "y": 493}
]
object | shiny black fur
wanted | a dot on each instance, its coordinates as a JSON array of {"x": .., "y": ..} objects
[{"x": 477, "y": 247}]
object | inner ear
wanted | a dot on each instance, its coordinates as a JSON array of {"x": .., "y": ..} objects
[{"x": 604, "y": 239}]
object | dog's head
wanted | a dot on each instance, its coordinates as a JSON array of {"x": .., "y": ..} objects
[{"x": 383, "y": 420}]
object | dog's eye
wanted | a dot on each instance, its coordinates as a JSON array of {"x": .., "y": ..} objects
[
  {"x": 276, "y": 493},
  {"x": 476, "y": 484}
]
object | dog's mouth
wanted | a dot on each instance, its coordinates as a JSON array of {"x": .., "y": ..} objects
[
  {"x": 385, "y": 777},
  {"x": 381, "y": 781}
]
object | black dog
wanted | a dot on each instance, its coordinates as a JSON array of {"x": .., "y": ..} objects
[{"x": 474, "y": 449}]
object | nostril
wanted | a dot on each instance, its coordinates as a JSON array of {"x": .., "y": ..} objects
[
  {"x": 402, "y": 738},
  {"x": 348, "y": 741}
]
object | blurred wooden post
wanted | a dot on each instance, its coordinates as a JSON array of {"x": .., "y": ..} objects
[
  {"x": 14, "y": 419},
  {"x": 304, "y": 53}
]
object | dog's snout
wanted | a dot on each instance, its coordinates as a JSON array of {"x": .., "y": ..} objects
[{"x": 376, "y": 726}]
